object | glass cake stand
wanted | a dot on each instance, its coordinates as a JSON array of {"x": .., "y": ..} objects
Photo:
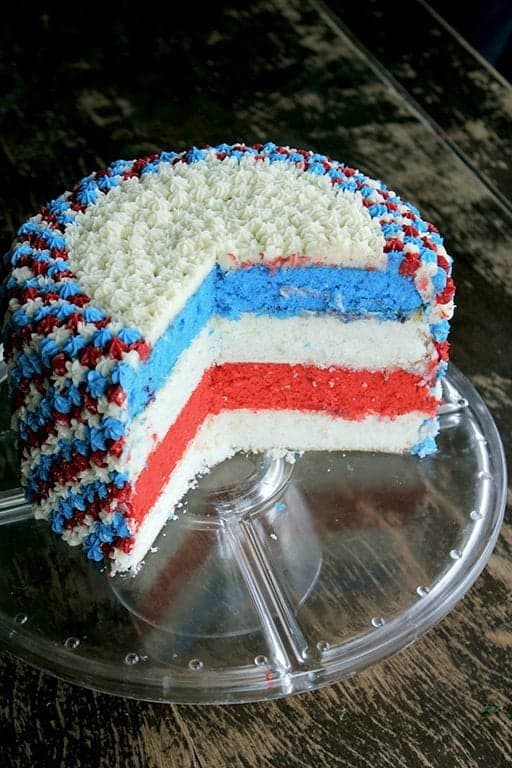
[{"x": 276, "y": 578}]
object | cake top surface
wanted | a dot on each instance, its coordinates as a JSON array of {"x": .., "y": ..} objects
[
  {"x": 115, "y": 259},
  {"x": 143, "y": 247}
]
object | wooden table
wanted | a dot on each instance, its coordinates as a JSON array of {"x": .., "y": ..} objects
[{"x": 424, "y": 113}]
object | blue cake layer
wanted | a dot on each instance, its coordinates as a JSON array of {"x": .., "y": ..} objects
[{"x": 283, "y": 292}]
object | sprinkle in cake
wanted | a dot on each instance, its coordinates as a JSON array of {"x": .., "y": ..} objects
[{"x": 173, "y": 310}]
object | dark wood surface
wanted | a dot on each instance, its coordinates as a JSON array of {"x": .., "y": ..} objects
[{"x": 81, "y": 89}]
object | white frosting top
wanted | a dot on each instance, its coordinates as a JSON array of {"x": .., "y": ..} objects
[{"x": 143, "y": 248}]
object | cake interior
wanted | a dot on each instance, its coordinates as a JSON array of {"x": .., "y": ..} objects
[{"x": 259, "y": 381}]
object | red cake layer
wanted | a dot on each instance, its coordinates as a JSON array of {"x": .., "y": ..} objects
[{"x": 340, "y": 392}]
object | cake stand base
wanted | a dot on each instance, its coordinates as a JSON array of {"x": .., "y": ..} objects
[{"x": 276, "y": 578}]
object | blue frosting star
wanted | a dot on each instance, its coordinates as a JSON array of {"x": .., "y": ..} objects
[
  {"x": 129, "y": 335},
  {"x": 53, "y": 239},
  {"x": 93, "y": 315},
  {"x": 107, "y": 182},
  {"x": 92, "y": 547},
  {"x": 87, "y": 191},
  {"x": 98, "y": 441},
  {"x": 120, "y": 526},
  {"x": 101, "y": 337},
  {"x": 112, "y": 428},
  {"x": 194, "y": 155},
  {"x": 48, "y": 350},
  {"x": 74, "y": 344},
  {"x": 96, "y": 383},
  {"x": 69, "y": 289},
  {"x": 119, "y": 479},
  {"x": 440, "y": 330},
  {"x": 62, "y": 403},
  {"x": 58, "y": 520}
]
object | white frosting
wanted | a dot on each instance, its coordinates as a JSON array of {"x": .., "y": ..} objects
[{"x": 141, "y": 250}]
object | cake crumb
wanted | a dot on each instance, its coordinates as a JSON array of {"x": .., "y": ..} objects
[
  {"x": 283, "y": 453},
  {"x": 136, "y": 568}
]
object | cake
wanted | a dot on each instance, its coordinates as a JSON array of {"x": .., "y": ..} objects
[{"x": 172, "y": 310}]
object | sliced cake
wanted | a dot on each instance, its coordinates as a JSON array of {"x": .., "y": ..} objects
[{"x": 173, "y": 310}]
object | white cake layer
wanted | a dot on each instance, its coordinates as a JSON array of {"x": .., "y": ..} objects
[
  {"x": 322, "y": 341},
  {"x": 224, "y": 434},
  {"x": 141, "y": 250}
]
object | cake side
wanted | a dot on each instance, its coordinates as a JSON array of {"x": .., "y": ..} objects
[{"x": 81, "y": 377}]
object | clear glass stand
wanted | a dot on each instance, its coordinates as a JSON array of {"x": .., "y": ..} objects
[{"x": 276, "y": 578}]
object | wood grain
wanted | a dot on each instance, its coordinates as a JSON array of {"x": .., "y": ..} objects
[
  {"x": 82, "y": 90},
  {"x": 431, "y": 62}
]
